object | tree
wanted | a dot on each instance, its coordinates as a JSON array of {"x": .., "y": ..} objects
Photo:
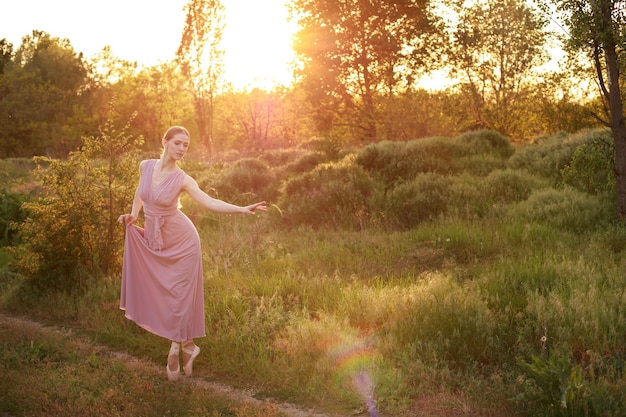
[
  {"x": 355, "y": 51},
  {"x": 42, "y": 86},
  {"x": 598, "y": 27},
  {"x": 155, "y": 98},
  {"x": 201, "y": 59},
  {"x": 495, "y": 47},
  {"x": 6, "y": 54}
]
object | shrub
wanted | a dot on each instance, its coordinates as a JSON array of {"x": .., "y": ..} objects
[
  {"x": 591, "y": 167},
  {"x": 424, "y": 198},
  {"x": 509, "y": 186},
  {"x": 388, "y": 160},
  {"x": 72, "y": 231},
  {"x": 329, "y": 146},
  {"x": 477, "y": 196},
  {"x": 486, "y": 142},
  {"x": 11, "y": 215},
  {"x": 475, "y": 152},
  {"x": 479, "y": 165},
  {"x": 566, "y": 209},
  {"x": 467, "y": 198},
  {"x": 246, "y": 180},
  {"x": 548, "y": 156},
  {"x": 280, "y": 157},
  {"x": 335, "y": 195},
  {"x": 304, "y": 163}
]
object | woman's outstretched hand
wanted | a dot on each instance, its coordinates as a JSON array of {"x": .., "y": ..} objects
[
  {"x": 252, "y": 208},
  {"x": 127, "y": 219}
]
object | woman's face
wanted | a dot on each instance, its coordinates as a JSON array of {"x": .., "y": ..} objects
[{"x": 177, "y": 146}]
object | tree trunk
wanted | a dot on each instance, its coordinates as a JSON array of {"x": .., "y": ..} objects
[{"x": 618, "y": 128}]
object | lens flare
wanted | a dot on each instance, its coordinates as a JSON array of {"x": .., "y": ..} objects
[
  {"x": 364, "y": 386},
  {"x": 355, "y": 362}
]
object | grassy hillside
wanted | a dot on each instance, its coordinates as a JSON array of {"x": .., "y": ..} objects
[{"x": 456, "y": 276}]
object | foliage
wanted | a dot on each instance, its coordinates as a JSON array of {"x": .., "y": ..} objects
[
  {"x": 41, "y": 93},
  {"x": 11, "y": 215},
  {"x": 561, "y": 386},
  {"x": 597, "y": 28},
  {"x": 394, "y": 162},
  {"x": 71, "y": 94},
  {"x": 510, "y": 186},
  {"x": 257, "y": 120},
  {"x": 502, "y": 264},
  {"x": 333, "y": 195},
  {"x": 423, "y": 199},
  {"x": 421, "y": 113},
  {"x": 487, "y": 142},
  {"x": 592, "y": 166},
  {"x": 72, "y": 231},
  {"x": 565, "y": 209},
  {"x": 246, "y": 176},
  {"x": 549, "y": 155},
  {"x": 496, "y": 46},
  {"x": 153, "y": 99},
  {"x": 351, "y": 52},
  {"x": 200, "y": 57},
  {"x": 307, "y": 162}
]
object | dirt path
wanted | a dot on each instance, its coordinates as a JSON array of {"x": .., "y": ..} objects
[{"x": 133, "y": 363}]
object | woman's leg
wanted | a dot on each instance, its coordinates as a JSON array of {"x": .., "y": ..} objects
[
  {"x": 173, "y": 362},
  {"x": 190, "y": 352}
]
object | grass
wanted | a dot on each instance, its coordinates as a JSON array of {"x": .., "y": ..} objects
[
  {"x": 476, "y": 311},
  {"x": 55, "y": 372}
]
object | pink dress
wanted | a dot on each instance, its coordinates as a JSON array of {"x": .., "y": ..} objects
[{"x": 162, "y": 284}]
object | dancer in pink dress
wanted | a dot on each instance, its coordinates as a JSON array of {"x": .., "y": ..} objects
[{"x": 162, "y": 285}]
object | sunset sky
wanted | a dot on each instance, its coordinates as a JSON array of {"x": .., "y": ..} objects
[{"x": 257, "y": 40}]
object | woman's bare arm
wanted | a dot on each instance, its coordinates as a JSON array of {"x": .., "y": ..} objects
[{"x": 191, "y": 187}]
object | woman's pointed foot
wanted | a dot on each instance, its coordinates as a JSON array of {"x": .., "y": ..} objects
[
  {"x": 190, "y": 352},
  {"x": 173, "y": 362}
]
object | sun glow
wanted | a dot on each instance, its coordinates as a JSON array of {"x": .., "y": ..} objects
[
  {"x": 258, "y": 44},
  {"x": 257, "y": 36}
]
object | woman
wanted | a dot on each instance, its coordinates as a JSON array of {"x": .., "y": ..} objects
[{"x": 162, "y": 284}]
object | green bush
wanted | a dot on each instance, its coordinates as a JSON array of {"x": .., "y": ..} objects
[
  {"x": 592, "y": 165},
  {"x": 391, "y": 161},
  {"x": 477, "y": 196},
  {"x": 487, "y": 142},
  {"x": 71, "y": 232},
  {"x": 566, "y": 209},
  {"x": 304, "y": 163},
  {"x": 280, "y": 157},
  {"x": 423, "y": 199},
  {"x": 245, "y": 181},
  {"x": 331, "y": 195},
  {"x": 11, "y": 215},
  {"x": 548, "y": 156},
  {"x": 479, "y": 165},
  {"x": 474, "y": 152},
  {"x": 510, "y": 186},
  {"x": 395, "y": 162}
]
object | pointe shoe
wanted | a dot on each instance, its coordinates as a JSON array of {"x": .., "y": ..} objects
[
  {"x": 173, "y": 375},
  {"x": 193, "y": 354}
]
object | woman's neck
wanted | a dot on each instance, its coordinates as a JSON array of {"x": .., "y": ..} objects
[{"x": 166, "y": 163}]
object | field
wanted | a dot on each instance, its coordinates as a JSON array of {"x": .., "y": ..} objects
[{"x": 439, "y": 277}]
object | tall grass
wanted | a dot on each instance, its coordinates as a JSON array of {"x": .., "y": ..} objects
[{"x": 489, "y": 281}]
